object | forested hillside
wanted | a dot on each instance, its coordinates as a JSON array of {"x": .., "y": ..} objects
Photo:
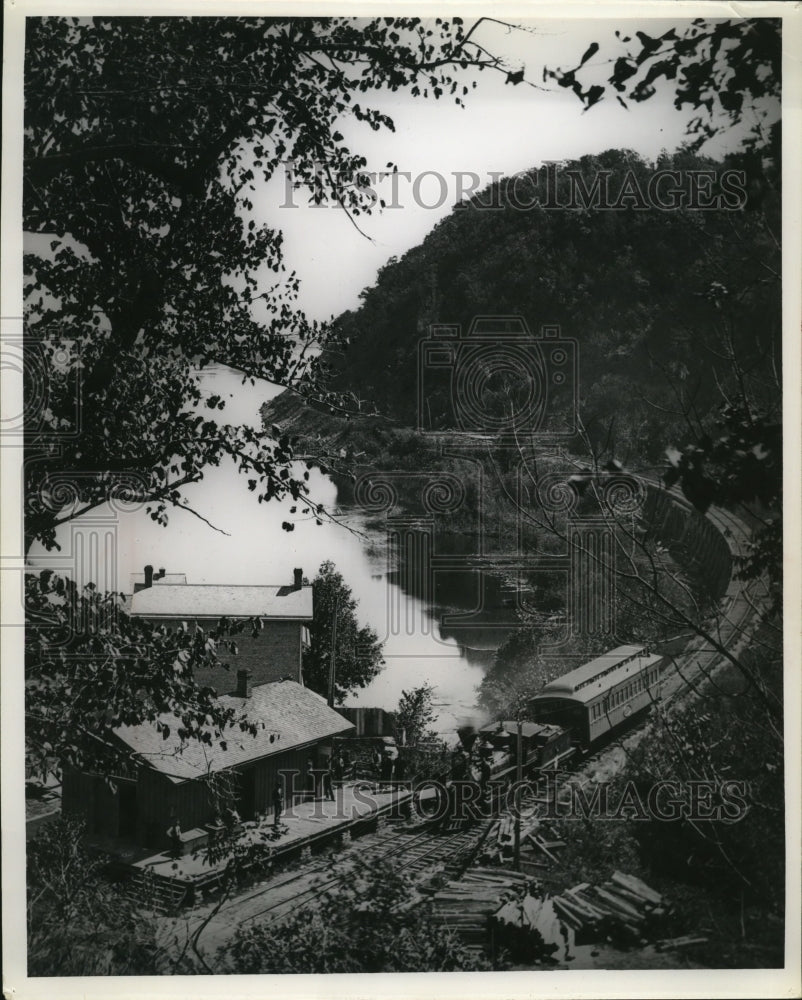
[{"x": 669, "y": 307}]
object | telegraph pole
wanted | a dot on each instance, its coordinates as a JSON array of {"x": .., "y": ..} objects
[
  {"x": 519, "y": 774},
  {"x": 332, "y": 663}
]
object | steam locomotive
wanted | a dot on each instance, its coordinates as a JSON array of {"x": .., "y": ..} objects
[{"x": 574, "y": 713}]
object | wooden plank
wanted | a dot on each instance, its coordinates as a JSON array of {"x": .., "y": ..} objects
[
  {"x": 619, "y": 903},
  {"x": 636, "y": 885},
  {"x": 539, "y": 843},
  {"x": 680, "y": 942}
]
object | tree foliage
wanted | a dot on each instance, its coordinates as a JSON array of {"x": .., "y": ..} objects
[
  {"x": 425, "y": 754},
  {"x": 90, "y": 668},
  {"x": 727, "y": 71},
  {"x": 358, "y": 650},
  {"x": 654, "y": 299},
  {"x": 415, "y": 714},
  {"x": 78, "y": 923},
  {"x": 737, "y": 462},
  {"x": 719, "y": 739},
  {"x": 146, "y": 140},
  {"x": 370, "y": 922}
]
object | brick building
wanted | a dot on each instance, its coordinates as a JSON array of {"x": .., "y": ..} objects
[{"x": 271, "y": 650}]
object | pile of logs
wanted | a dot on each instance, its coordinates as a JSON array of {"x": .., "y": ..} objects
[
  {"x": 624, "y": 910},
  {"x": 495, "y": 909},
  {"x": 464, "y": 905}
]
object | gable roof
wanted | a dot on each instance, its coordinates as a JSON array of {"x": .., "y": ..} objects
[
  {"x": 138, "y": 580},
  {"x": 600, "y": 675},
  {"x": 579, "y": 677},
  {"x": 292, "y": 714},
  {"x": 200, "y": 600},
  {"x": 510, "y": 728}
]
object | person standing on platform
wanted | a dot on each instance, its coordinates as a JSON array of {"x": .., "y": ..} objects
[
  {"x": 390, "y": 755},
  {"x": 278, "y": 802},
  {"x": 311, "y": 779},
  {"x": 376, "y": 759},
  {"x": 174, "y": 835},
  {"x": 328, "y": 789}
]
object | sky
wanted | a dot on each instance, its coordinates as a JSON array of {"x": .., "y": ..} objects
[{"x": 503, "y": 129}]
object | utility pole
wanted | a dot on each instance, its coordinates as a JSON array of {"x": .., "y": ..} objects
[
  {"x": 332, "y": 663},
  {"x": 519, "y": 774}
]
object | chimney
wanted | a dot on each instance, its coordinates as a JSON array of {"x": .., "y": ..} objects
[
  {"x": 299, "y": 579},
  {"x": 243, "y": 683},
  {"x": 160, "y": 575},
  {"x": 148, "y": 577}
]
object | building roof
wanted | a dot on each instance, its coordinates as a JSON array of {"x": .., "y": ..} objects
[
  {"x": 600, "y": 674},
  {"x": 215, "y": 601},
  {"x": 293, "y": 715},
  {"x": 510, "y": 728},
  {"x": 158, "y": 581}
]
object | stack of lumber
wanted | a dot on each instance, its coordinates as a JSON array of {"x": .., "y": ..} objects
[
  {"x": 464, "y": 905},
  {"x": 624, "y": 909}
]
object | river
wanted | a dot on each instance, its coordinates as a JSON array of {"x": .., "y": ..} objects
[{"x": 248, "y": 546}]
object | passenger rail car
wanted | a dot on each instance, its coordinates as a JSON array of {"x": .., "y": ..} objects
[{"x": 601, "y": 695}]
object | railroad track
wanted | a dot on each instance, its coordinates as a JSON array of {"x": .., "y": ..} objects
[
  {"x": 413, "y": 853},
  {"x": 414, "y": 856},
  {"x": 699, "y": 660}
]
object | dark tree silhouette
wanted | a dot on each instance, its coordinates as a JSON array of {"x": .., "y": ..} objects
[
  {"x": 358, "y": 650},
  {"x": 145, "y": 139}
]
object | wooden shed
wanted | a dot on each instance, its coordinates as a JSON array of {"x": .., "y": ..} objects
[{"x": 173, "y": 781}]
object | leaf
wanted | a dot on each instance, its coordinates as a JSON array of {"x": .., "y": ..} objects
[{"x": 590, "y": 52}]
